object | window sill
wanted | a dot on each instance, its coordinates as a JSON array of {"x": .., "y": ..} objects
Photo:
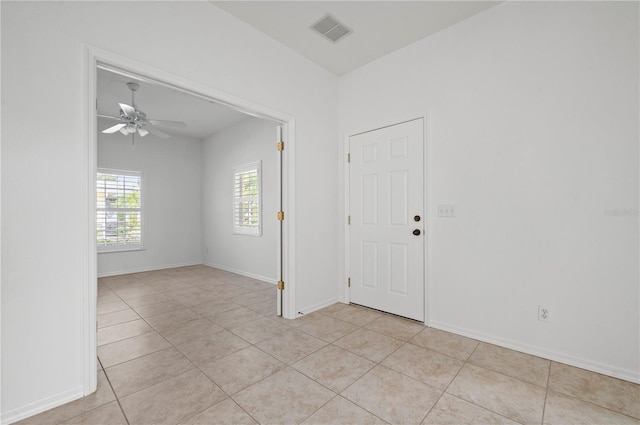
[{"x": 120, "y": 249}]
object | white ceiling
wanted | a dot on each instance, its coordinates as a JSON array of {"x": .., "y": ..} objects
[
  {"x": 202, "y": 118},
  {"x": 379, "y": 27}
]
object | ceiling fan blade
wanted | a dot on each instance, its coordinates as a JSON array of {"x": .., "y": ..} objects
[
  {"x": 143, "y": 132},
  {"x": 114, "y": 128},
  {"x": 156, "y": 132},
  {"x": 167, "y": 123},
  {"x": 109, "y": 117},
  {"x": 129, "y": 111}
]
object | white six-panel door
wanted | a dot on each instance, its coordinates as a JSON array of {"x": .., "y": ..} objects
[{"x": 386, "y": 231}]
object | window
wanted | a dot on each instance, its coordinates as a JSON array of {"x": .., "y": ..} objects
[
  {"x": 119, "y": 210},
  {"x": 247, "y": 208}
]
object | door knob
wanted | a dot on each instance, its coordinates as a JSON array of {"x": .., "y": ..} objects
[
  {"x": 416, "y": 218},
  {"x": 416, "y": 232}
]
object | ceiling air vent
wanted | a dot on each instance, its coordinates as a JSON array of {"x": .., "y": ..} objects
[{"x": 331, "y": 28}]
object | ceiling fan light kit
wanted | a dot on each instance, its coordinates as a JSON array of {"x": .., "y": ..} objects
[{"x": 132, "y": 120}]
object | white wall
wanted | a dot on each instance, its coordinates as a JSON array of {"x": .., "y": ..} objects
[
  {"x": 43, "y": 162},
  {"x": 172, "y": 188},
  {"x": 532, "y": 111},
  {"x": 248, "y": 141}
]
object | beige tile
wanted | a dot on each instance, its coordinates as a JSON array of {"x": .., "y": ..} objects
[
  {"x": 147, "y": 300},
  {"x": 134, "y": 375},
  {"x": 266, "y": 308},
  {"x": 515, "y": 399},
  {"x": 296, "y": 398},
  {"x": 451, "y": 410},
  {"x": 215, "y": 307},
  {"x": 394, "y": 397},
  {"x": 119, "y": 281},
  {"x": 611, "y": 393},
  {"x": 236, "y": 317},
  {"x": 447, "y": 343},
  {"x": 186, "y": 332},
  {"x": 231, "y": 293},
  {"x": 356, "y": 315},
  {"x": 245, "y": 300},
  {"x": 333, "y": 308},
  {"x": 122, "y": 331},
  {"x": 259, "y": 330},
  {"x": 173, "y": 400},
  {"x": 334, "y": 367},
  {"x": 226, "y": 412},
  {"x": 168, "y": 322},
  {"x": 111, "y": 307},
  {"x": 369, "y": 344},
  {"x": 326, "y": 327},
  {"x": 191, "y": 297},
  {"x": 563, "y": 410},
  {"x": 108, "y": 414},
  {"x": 403, "y": 329},
  {"x": 158, "y": 308},
  {"x": 241, "y": 369},
  {"x": 169, "y": 284},
  {"x": 131, "y": 348},
  {"x": 134, "y": 291},
  {"x": 102, "y": 396},
  {"x": 108, "y": 298},
  {"x": 292, "y": 346},
  {"x": 532, "y": 369},
  {"x": 116, "y": 317},
  {"x": 207, "y": 349},
  {"x": 341, "y": 411},
  {"x": 426, "y": 366},
  {"x": 294, "y": 323}
]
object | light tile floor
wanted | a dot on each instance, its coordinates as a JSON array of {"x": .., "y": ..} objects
[{"x": 197, "y": 345}]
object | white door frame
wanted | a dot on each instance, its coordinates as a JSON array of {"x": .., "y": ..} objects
[
  {"x": 92, "y": 57},
  {"x": 428, "y": 221}
]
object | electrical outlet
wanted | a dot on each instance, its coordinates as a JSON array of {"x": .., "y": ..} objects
[
  {"x": 446, "y": 210},
  {"x": 544, "y": 313}
]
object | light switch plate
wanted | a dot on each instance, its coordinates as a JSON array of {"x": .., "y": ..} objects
[{"x": 446, "y": 210}]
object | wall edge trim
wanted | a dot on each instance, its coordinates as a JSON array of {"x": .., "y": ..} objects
[{"x": 42, "y": 405}]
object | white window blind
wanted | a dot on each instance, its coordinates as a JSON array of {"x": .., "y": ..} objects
[
  {"x": 247, "y": 208},
  {"x": 119, "y": 210}
]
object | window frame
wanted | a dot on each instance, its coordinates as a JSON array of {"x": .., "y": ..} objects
[
  {"x": 237, "y": 228},
  {"x": 104, "y": 248}
]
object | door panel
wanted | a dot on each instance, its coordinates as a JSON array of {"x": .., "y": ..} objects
[{"x": 386, "y": 191}]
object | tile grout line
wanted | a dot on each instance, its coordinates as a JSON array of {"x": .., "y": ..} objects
[{"x": 114, "y": 394}]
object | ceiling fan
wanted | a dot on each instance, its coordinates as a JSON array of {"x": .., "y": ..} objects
[{"x": 132, "y": 120}]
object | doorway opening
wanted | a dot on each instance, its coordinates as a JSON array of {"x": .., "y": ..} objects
[{"x": 257, "y": 119}]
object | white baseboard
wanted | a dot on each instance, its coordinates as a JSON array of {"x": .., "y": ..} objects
[
  {"x": 242, "y": 273},
  {"x": 149, "y": 268},
  {"x": 40, "y": 406},
  {"x": 316, "y": 307},
  {"x": 627, "y": 375}
]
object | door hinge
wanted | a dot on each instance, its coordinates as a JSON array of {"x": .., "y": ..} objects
[
  {"x": 281, "y": 285},
  {"x": 280, "y": 215},
  {"x": 280, "y": 146},
  {"x": 349, "y": 157},
  {"x": 349, "y": 220},
  {"x": 348, "y": 282}
]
